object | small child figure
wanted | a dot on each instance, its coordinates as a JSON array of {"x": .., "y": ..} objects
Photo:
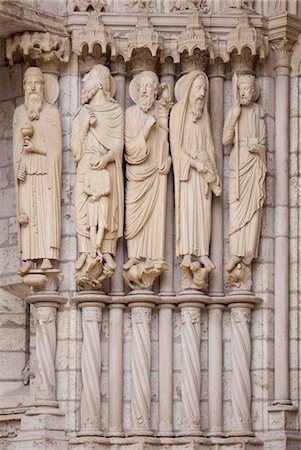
[{"x": 97, "y": 186}]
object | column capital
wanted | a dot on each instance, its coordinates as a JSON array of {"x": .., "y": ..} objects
[
  {"x": 282, "y": 49},
  {"x": 217, "y": 69}
]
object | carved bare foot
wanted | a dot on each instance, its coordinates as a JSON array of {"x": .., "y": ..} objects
[
  {"x": 81, "y": 261},
  {"x": 109, "y": 260},
  {"x": 46, "y": 264},
  {"x": 25, "y": 268},
  {"x": 130, "y": 263},
  {"x": 186, "y": 261},
  {"x": 206, "y": 261},
  {"x": 234, "y": 260}
]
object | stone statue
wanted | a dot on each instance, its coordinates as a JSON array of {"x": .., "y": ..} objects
[
  {"x": 97, "y": 143},
  {"x": 195, "y": 176},
  {"x": 37, "y": 159},
  {"x": 245, "y": 128},
  {"x": 148, "y": 163}
]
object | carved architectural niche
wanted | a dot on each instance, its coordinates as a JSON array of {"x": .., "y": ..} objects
[
  {"x": 244, "y": 44},
  {"x": 190, "y": 6},
  {"x": 140, "y": 6},
  {"x": 87, "y": 5},
  {"x": 94, "y": 43},
  {"x": 195, "y": 46},
  {"x": 38, "y": 46}
]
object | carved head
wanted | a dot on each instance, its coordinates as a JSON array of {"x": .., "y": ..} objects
[
  {"x": 197, "y": 96},
  {"x": 99, "y": 78},
  {"x": 33, "y": 85},
  {"x": 247, "y": 89},
  {"x": 148, "y": 85}
]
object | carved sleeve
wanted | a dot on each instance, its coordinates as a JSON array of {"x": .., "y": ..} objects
[
  {"x": 136, "y": 150},
  {"x": 229, "y": 130}
]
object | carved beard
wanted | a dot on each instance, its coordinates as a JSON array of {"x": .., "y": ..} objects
[
  {"x": 197, "y": 106},
  {"x": 145, "y": 101},
  {"x": 88, "y": 94},
  {"x": 33, "y": 104}
]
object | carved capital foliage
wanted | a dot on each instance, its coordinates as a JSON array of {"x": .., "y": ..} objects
[
  {"x": 247, "y": 37},
  {"x": 190, "y": 316},
  {"x": 38, "y": 46},
  {"x": 282, "y": 49},
  {"x": 195, "y": 37},
  {"x": 95, "y": 33},
  {"x": 45, "y": 315}
]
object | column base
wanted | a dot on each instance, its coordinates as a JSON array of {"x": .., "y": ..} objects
[
  {"x": 283, "y": 426},
  {"x": 89, "y": 433},
  {"x": 140, "y": 433},
  {"x": 193, "y": 433},
  {"x": 42, "y": 429}
]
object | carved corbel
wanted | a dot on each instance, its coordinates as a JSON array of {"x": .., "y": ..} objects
[
  {"x": 93, "y": 43},
  {"x": 244, "y": 44},
  {"x": 40, "y": 48},
  {"x": 195, "y": 46}
]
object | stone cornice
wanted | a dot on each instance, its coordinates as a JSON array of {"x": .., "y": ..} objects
[{"x": 17, "y": 18}]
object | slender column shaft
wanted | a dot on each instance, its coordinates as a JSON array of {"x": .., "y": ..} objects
[
  {"x": 141, "y": 366},
  {"x": 191, "y": 368},
  {"x": 115, "y": 370},
  {"x": 118, "y": 69},
  {"x": 281, "y": 227},
  {"x": 91, "y": 368},
  {"x": 165, "y": 370},
  {"x": 166, "y": 278},
  {"x": 216, "y": 77},
  {"x": 241, "y": 364},
  {"x": 215, "y": 369},
  {"x": 45, "y": 385}
]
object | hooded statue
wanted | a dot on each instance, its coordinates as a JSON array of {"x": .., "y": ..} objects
[{"x": 194, "y": 166}]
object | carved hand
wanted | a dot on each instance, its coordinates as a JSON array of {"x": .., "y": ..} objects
[
  {"x": 148, "y": 126},
  {"x": 255, "y": 150},
  {"x": 29, "y": 146},
  {"x": 200, "y": 167},
  {"x": 21, "y": 174},
  {"x": 92, "y": 119},
  {"x": 164, "y": 169}
]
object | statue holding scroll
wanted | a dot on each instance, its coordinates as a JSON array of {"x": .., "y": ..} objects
[
  {"x": 148, "y": 163},
  {"x": 37, "y": 159},
  {"x": 195, "y": 176},
  {"x": 97, "y": 143},
  {"x": 245, "y": 128}
]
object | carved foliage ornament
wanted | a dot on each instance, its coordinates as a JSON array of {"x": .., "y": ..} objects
[
  {"x": 189, "y": 5},
  {"x": 138, "y": 6},
  {"x": 40, "y": 46}
]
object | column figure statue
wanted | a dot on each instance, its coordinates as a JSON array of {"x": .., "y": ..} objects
[
  {"x": 245, "y": 129},
  {"x": 195, "y": 176},
  {"x": 97, "y": 144},
  {"x": 148, "y": 163},
  {"x": 37, "y": 159}
]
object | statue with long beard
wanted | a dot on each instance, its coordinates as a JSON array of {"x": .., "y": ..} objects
[{"x": 37, "y": 158}]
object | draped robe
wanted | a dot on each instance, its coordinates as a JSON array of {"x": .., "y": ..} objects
[
  {"x": 192, "y": 141},
  {"x": 38, "y": 196},
  {"x": 245, "y": 213},
  {"x": 106, "y": 136},
  {"x": 146, "y": 187}
]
